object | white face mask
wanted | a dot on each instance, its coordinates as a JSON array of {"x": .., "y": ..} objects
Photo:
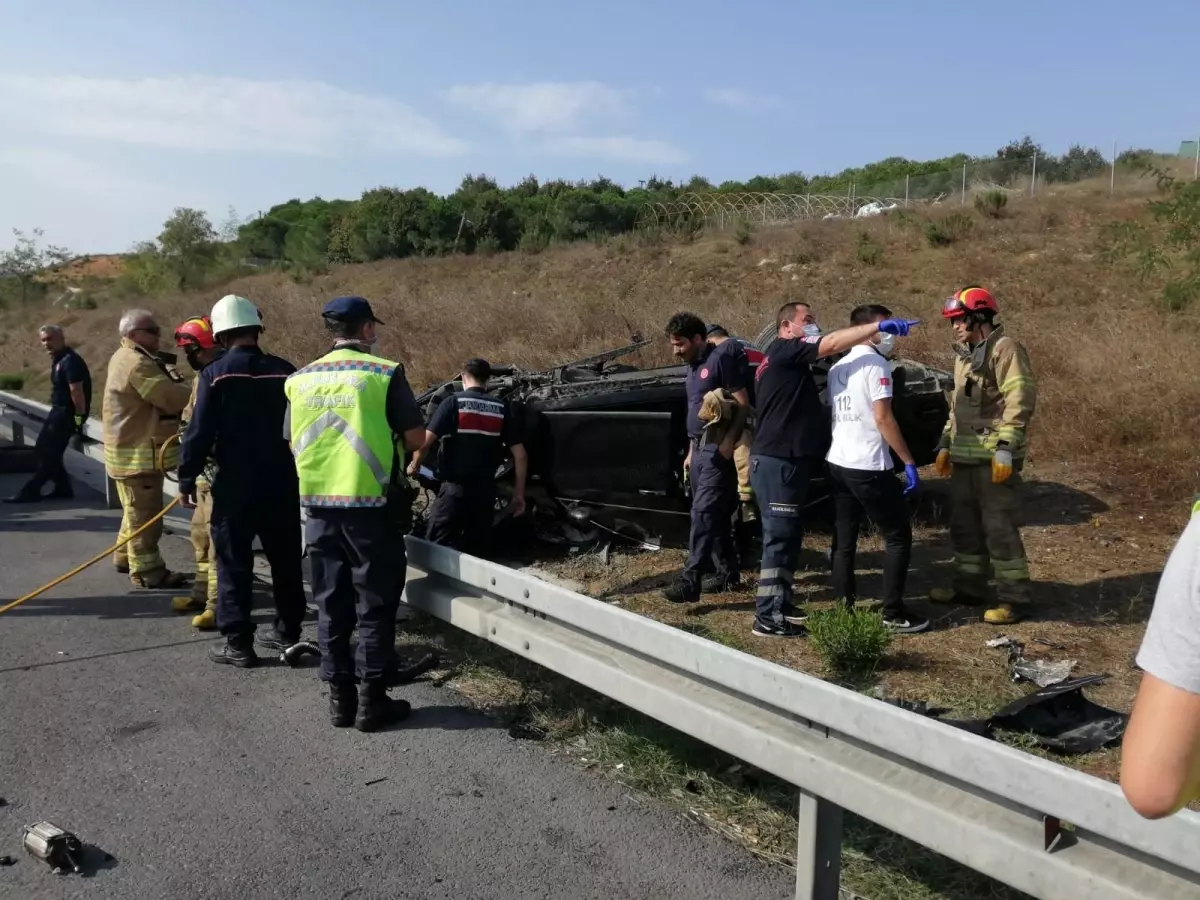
[
  {"x": 812, "y": 330},
  {"x": 886, "y": 345}
]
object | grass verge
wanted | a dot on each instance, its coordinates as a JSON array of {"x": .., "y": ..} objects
[{"x": 743, "y": 803}]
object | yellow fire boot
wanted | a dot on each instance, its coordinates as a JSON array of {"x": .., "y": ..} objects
[
  {"x": 186, "y": 604},
  {"x": 1004, "y": 614},
  {"x": 949, "y": 595},
  {"x": 206, "y": 621}
]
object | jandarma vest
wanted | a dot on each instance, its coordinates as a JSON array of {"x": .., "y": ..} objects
[{"x": 341, "y": 439}]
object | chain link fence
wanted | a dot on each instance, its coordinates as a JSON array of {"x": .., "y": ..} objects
[{"x": 1014, "y": 177}]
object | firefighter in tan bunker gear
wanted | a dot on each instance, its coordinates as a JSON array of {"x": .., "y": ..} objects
[
  {"x": 195, "y": 338},
  {"x": 143, "y": 397},
  {"x": 983, "y": 450}
]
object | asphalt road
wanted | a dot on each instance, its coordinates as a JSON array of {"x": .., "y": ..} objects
[{"x": 189, "y": 780}]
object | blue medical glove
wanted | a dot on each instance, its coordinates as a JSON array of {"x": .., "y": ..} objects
[
  {"x": 912, "y": 480},
  {"x": 898, "y": 327}
]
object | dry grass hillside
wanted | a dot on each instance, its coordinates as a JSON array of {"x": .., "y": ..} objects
[{"x": 1119, "y": 378}]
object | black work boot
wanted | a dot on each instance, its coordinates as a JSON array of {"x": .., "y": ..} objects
[
  {"x": 682, "y": 591},
  {"x": 343, "y": 703},
  {"x": 62, "y": 492},
  {"x": 376, "y": 709},
  {"x": 238, "y": 653},
  {"x": 720, "y": 583}
]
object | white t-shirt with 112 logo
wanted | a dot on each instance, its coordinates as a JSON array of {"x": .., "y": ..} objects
[{"x": 856, "y": 381}]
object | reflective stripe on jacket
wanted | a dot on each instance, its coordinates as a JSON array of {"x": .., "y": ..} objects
[
  {"x": 143, "y": 397},
  {"x": 994, "y": 398},
  {"x": 344, "y": 447}
]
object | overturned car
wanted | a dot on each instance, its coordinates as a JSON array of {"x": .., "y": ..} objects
[{"x": 606, "y": 441}]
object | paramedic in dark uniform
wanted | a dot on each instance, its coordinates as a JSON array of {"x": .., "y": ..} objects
[
  {"x": 473, "y": 429},
  {"x": 790, "y": 440},
  {"x": 710, "y": 466},
  {"x": 70, "y": 401}
]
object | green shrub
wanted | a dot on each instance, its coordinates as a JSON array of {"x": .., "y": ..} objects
[
  {"x": 991, "y": 203},
  {"x": 850, "y": 643},
  {"x": 868, "y": 252},
  {"x": 945, "y": 232},
  {"x": 744, "y": 232},
  {"x": 958, "y": 225},
  {"x": 936, "y": 235},
  {"x": 11, "y": 381}
]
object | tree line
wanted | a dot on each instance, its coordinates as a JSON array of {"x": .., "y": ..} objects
[{"x": 483, "y": 217}]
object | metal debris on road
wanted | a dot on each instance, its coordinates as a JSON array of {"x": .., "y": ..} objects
[{"x": 59, "y": 849}]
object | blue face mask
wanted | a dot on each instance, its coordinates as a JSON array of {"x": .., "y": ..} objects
[
  {"x": 812, "y": 330},
  {"x": 886, "y": 345}
]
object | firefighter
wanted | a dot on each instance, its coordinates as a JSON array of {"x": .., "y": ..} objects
[
  {"x": 473, "y": 429},
  {"x": 195, "y": 338},
  {"x": 983, "y": 451},
  {"x": 717, "y": 336},
  {"x": 238, "y": 420},
  {"x": 352, "y": 415},
  {"x": 143, "y": 398}
]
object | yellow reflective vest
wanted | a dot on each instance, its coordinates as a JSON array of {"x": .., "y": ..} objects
[
  {"x": 994, "y": 398},
  {"x": 143, "y": 397},
  {"x": 345, "y": 450}
]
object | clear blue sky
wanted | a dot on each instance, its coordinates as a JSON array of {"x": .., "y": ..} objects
[{"x": 112, "y": 113}]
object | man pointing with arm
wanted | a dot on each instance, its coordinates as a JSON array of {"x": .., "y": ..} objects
[{"x": 789, "y": 441}]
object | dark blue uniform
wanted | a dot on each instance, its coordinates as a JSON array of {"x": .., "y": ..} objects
[
  {"x": 238, "y": 420},
  {"x": 713, "y": 478},
  {"x": 474, "y": 430},
  {"x": 66, "y": 368},
  {"x": 790, "y": 439}
]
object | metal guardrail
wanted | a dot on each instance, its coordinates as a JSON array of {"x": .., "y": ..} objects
[{"x": 983, "y": 804}]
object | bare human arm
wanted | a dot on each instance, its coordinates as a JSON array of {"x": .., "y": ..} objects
[
  {"x": 77, "y": 398},
  {"x": 845, "y": 338},
  {"x": 521, "y": 473},
  {"x": 885, "y": 421},
  {"x": 428, "y": 439},
  {"x": 1160, "y": 756}
]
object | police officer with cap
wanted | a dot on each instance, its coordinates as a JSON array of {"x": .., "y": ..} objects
[
  {"x": 473, "y": 429},
  {"x": 352, "y": 416}
]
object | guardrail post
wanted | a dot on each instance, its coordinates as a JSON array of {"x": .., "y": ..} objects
[{"x": 818, "y": 849}]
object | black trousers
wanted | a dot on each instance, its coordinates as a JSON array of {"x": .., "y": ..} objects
[
  {"x": 358, "y": 568},
  {"x": 880, "y": 496},
  {"x": 52, "y": 442},
  {"x": 711, "y": 545},
  {"x": 240, "y": 513},
  {"x": 461, "y": 517}
]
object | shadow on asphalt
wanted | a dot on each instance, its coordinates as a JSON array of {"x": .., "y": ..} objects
[
  {"x": 65, "y": 661},
  {"x": 29, "y": 524}
]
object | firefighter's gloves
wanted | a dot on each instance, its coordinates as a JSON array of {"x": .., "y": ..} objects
[
  {"x": 1002, "y": 466},
  {"x": 898, "y": 327},
  {"x": 941, "y": 465},
  {"x": 912, "y": 480},
  {"x": 79, "y": 420}
]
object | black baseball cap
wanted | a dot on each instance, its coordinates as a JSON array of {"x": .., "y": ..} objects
[{"x": 350, "y": 309}]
